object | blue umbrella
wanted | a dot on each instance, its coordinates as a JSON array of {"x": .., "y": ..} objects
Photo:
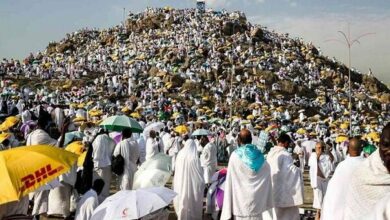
[{"x": 70, "y": 136}]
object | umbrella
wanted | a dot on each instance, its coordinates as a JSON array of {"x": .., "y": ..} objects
[
  {"x": 24, "y": 169},
  {"x": 119, "y": 123},
  {"x": 153, "y": 172},
  {"x": 4, "y": 136},
  {"x": 9, "y": 122},
  {"x": 155, "y": 126},
  {"x": 135, "y": 115},
  {"x": 181, "y": 129},
  {"x": 369, "y": 149},
  {"x": 70, "y": 136},
  {"x": 133, "y": 204},
  {"x": 201, "y": 132},
  {"x": 341, "y": 139},
  {"x": 301, "y": 131},
  {"x": 77, "y": 147}
]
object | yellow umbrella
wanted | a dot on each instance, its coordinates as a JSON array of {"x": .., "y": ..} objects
[
  {"x": 341, "y": 138},
  {"x": 81, "y": 159},
  {"x": 4, "y": 136},
  {"x": 11, "y": 121},
  {"x": 95, "y": 113},
  {"x": 25, "y": 169},
  {"x": 373, "y": 135},
  {"x": 125, "y": 109},
  {"x": 135, "y": 115},
  {"x": 79, "y": 119},
  {"x": 250, "y": 117},
  {"x": 344, "y": 126},
  {"x": 301, "y": 131},
  {"x": 181, "y": 129},
  {"x": 77, "y": 147}
]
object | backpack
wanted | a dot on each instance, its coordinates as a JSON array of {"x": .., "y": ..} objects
[{"x": 118, "y": 164}]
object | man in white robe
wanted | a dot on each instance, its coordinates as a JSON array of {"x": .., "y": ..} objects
[
  {"x": 173, "y": 148},
  {"x": 188, "y": 183},
  {"x": 130, "y": 153},
  {"x": 152, "y": 145},
  {"x": 287, "y": 181},
  {"x": 248, "y": 186},
  {"x": 308, "y": 146},
  {"x": 208, "y": 159},
  {"x": 89, "y": 201},
  {"x": 334, "y": 201},
  {"x": 40, "y": 136},
  {"x": 371, "y": 182},
  {"x": 381, "y": 210},
  {"x": 103, "y": 147},
  {"x": 59, "y": 198},
  {"x": 141, "y": 148},
  {"x": 321, "y": 166}
]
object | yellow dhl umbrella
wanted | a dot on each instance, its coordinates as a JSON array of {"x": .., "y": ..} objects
[
  {"x": 341, "y": 138},
  {"x": 301, "y": 131},
  {"x": 181, "y": 129},
  {"x": 25, "y": 169},
  {"x": 135, "y": 115},
  {"x": 77, "y": 147},
  {"x": 4, "y": 136}
]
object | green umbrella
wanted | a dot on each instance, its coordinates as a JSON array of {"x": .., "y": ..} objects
[
  {"x": 369, "y": 149},
  {"x": 121, "y": 122}
]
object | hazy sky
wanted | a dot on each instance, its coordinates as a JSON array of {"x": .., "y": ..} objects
[{"x": 28, "y": 25}]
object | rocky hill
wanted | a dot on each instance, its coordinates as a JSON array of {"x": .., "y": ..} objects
[{"x": 174, "y": 45}]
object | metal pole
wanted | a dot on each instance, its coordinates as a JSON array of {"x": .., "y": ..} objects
[
  {"x": 231, "y": 90},
  {"x": 124, "y": 17},
  {"x": 349, "y": 43}
]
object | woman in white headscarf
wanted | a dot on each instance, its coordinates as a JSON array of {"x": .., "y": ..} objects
[{"x": 188, "y": 183}]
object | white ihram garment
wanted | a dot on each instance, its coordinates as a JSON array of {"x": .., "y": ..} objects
[
  {"x": 247, "y": 193},
  {"x": 319, "y": 184},
  {"x": 369, "y": 184},
  {"x": 208, "y": 160},
  {"x": 130, "y": 152},
  {"x": 287, "y": 184},
  {"x": 188, "y": 183},
  {"x": 334, "y": 201}
]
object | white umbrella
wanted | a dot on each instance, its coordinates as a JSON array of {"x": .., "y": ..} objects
[
  {"x": 150, "y": 178},
  {"x": 154, "y": 172},
  {"x": 133, "y": 204},
  {"x": 155, "y": 126},
  {"x": 201, "y": 132}
]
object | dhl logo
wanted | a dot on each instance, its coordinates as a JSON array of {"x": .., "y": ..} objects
[{"x": 39, "y": 175}]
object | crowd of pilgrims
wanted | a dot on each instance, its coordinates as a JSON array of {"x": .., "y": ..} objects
[{"x": 256, "y": 156}]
